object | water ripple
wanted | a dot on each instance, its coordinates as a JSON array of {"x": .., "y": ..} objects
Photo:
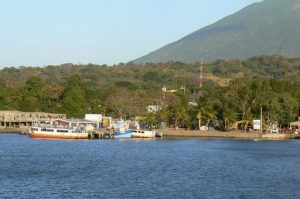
[{"x": 164, "y": 168}]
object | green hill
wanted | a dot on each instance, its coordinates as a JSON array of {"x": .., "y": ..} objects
[
  {"x": 264, "y": 28},
  {"x": 230, "y": 87}
]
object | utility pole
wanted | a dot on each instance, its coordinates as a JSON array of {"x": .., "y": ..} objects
[
  {"x": 183, "y": 88},
  {"x": 201, "y": 78},
  {"x": 225, "y": 121},
  {"x": 200, "y": 94},
  {"x": 164, "y": 90}
]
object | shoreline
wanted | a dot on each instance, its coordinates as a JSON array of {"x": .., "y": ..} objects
[
  {"x": 12, "y": 130},
  {"x": 201, "y": 134},
  {"x": 228, "y": 135}
]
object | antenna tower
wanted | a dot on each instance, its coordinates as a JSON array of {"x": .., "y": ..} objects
[{"x": 201, "y": 78}]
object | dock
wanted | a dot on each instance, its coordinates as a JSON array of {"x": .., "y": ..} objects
[{"x": 101, "y": 134}]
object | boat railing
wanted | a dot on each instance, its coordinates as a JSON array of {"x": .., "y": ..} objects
[
  {"x": 75, "y": 129},
  {"x": 52, "y": 126}
]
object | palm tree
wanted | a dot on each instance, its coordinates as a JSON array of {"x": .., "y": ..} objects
[{"x": 205, "y": 108}]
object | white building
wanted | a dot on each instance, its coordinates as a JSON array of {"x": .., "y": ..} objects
[
  {"x": 97, "y": 118},
  {"x": 153, "y": 108}
]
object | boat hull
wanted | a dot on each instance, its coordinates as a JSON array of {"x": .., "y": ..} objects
[
  {"x": 126, "y": 134},
  {"x": 143, "y": 134},
  {"x": 59, "y": 136}
]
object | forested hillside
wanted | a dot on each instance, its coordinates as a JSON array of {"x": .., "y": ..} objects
[
  {"x": 233, "y": 89},
  {"x": 267, "y": 27}
]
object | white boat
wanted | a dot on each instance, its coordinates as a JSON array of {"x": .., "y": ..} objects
[
  {"x": 57, "y": 132},
  {"x": 143, "y": 134}
]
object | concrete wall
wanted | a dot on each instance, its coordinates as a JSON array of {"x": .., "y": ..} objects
[
  {"x": 280, "y": 136},
  {"x": 216, "y": 134}
]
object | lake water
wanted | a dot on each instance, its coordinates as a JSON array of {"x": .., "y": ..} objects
[{"x": 161, "y": 168}]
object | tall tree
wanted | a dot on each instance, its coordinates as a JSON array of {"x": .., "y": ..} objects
[{"x": 74, "y": 102}]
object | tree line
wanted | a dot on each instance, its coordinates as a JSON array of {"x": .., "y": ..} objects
[{"x": 125, "y": 90}]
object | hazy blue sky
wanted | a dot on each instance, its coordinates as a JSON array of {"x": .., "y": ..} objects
[{"x": 44, "y": 32}]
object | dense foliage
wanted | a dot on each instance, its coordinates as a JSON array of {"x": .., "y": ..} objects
[{"x": 233, "y": 90}]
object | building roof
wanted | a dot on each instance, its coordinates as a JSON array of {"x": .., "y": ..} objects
[{"x": 77, "y": 121}]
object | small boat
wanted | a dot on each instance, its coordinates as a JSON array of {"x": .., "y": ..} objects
[
  {"x": 57, "y": 132},
  {"x": 123, "y": 134},
  {"x": 143, "y": 134}
]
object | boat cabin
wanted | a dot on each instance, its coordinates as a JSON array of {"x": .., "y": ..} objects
[{"x": 74, "y": 122}]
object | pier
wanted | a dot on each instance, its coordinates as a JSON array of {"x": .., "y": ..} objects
[
  {"x": 17, "y": 121},
  {"x": 101, "y": 134}
]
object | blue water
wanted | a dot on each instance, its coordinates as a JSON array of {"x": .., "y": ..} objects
[{"x": 161, "y": 168}]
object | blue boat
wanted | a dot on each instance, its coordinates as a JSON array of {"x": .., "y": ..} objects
[{"x": 126, "y": 134}]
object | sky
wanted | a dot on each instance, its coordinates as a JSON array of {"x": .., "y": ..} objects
[{"x": 53, "y": 32}]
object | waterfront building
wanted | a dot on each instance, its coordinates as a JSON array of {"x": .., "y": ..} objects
[{"x": 18, "y": 119}]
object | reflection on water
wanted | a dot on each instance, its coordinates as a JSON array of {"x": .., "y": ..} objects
[{"x": 141, "y": 168}]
